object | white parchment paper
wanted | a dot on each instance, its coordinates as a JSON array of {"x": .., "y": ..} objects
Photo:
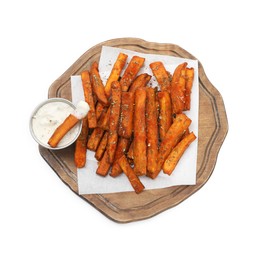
[{"x": 185, "y": 172}]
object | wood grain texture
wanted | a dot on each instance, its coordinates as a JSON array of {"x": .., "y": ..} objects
[{"x": 128, "y": 206}]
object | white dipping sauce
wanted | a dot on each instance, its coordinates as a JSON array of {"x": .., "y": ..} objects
[
  {"x": 48, "y": 118},
  {"x": 81, "y": 110}
]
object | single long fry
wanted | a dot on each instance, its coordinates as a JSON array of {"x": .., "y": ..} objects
[
  {"x": 126, "y": 116},
  {"x": 177, "y": 73},
  {"x": 133, "y": 179},
  {"x": 161, "y": 75},
  {"x": 178, "y": 89},
  {"x": 100, "y": 109},
  {"x": 81, "y": 145},
  {"x": 104, "y": 165},
  {"x": 131, "y": 71},
  {"x": 103, "y": 121},
  {"x": 165, "y": 113},
  {"x": 95, "y": 138},
  {"x": 61, "y": 130},
  {"x": 188, "y": 87},
  {"x": 140, "y": 81},
  {"x": 152, "y": 130},
  {"x": 101, "y": 147},
  {"x": 87, "y": 89},
  {"x": 177, "y": 152},
  {"x": 172, "y": 137},
  {"x": 80, "y": 154},
  {"x": 140, "y": 158},
  {"x": 115, "y": 72},
  {"x": 98, "y": 86},
  {"x": 114, "y": 119},
  {"x": 121, "y": 149}
]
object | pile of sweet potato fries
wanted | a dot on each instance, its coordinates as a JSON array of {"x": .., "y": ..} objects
[{"x": 134, "y": 128}]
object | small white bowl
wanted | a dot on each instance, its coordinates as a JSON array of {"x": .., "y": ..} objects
[{"x": 74, "y": 132}]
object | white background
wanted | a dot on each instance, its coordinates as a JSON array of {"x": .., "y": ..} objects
[{"x": 41, "y": 218}]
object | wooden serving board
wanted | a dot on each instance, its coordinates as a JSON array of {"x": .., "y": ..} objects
[{"x": 128, "y": 206}]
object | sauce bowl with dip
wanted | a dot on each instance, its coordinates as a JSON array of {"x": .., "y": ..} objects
[{"x": 47, "y": 116}]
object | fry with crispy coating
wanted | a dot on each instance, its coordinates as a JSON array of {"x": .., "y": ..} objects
[
  {"x": 140, "y": 158},
  {"x": 140, "y": 81},
  {"x": 101, "y": 147},
  {"x": 177, "y": 152},
  {"x": 126, "y": 116},
  {"x": 87, "y": 89},
  {"x": 104, "y": 165},
  {"x": 115, "y": 72},
  {"x": 152, "y": 130},
  {"x": 97, "y": 84},
  {"x": 81, "y": 145},
  {"x": 177, "y": 73},
  {"x": 100, "y": 109},
  {"x": 177, "y": 88},
  {"x": 165, "y": 113},
  {"x": 114, "y": 119},
  {"x": 172, "y": 137},
  {"x": 131, "y": 71},
  {"x": 188, "y": 87},
  {"x": 161, "y": 75},
  {"x": 121, "y": 149},
  {"x": 103, "y": 121},
  {"x": 95, "y": 138},
  {"x": 132, "y": 177},
  {"x": 187, "y": 132}
]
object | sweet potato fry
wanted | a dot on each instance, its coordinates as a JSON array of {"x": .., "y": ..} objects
[
  {"x": 95, "y": 138},
  {"x": 152, "y": 130},
  {"x": 81, "y": 145},
  {"x": 101, "y": 147},
  {"x": 140, "y": 158},
  {"x": 131, "y": 71},
  {"x": 172, "y": 137},
  {"x": 188, "y": 87},
  {"x": 175, "y": 155},
  {"x": 126, "y": 116},
  {"x": 177, "y": 89},
  {"x": 104, "y": 165},
  {"x": 103, "y": 121},
  {"x": 161, "y": 75},
  {"x": 133, "y": 179},
  {"x": 182, "y": 83},
  {"x": 61, "y": 130},
  {"x": 87, "y": 89},
  {"x": 177, "y": 73},
  {"x": 99, "y": 110},
  {"x": 121, "y": 149},
  {"x": 187, "y": 132},
  {"x": 114, "y": 119},
  {"x": 140, "y": 81},
  {"x": 97, "y": 84},
  {"x": 165, "y": 113},
  {"x": 115, "y": 72}
]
